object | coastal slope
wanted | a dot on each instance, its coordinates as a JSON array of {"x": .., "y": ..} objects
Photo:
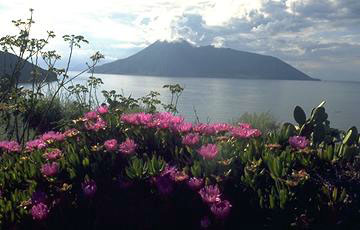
[
  {"x": 7, "y": 65},
  {"x": 181, "y": 59}
]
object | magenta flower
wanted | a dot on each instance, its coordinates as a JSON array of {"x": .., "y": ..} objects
[
  {"x": 169, "y": 171},
  {"x": 99, "y": 124},
  {"x": 210, "y": 194},
  {"x": 137, "y": 118},
  {"x": 183, "y": 127},
  {"x": 191, "y": 139},
  {"x": 241, "y": 132},
  {"x": 89, "y": 187},
  {"x": 129, "y": 119},
  {"x": 221, "y": 209},
  {"x": 195, "y": 183},
  {"x": 53, "y": 154},
  {"x": 90, "y": 115},
  {"x": 200, "y": 128},
  {"x": 52, "y": 136},
  {"x": 50, "y": 169},
  {"x": 208, "y": 151},
  {"x": 221, "y": 127},
  {"x": 10, "y": 146},
  {"x": 244, "y": 125},
  {"x": 298, "y": 142},
  {"x": 40, "y": 211},
  {"x": 128, "y": 146},
  {"x": 35, "y": 144},
  {"x": 110, "y": 145},
  {"x": 104, "y": 109}
]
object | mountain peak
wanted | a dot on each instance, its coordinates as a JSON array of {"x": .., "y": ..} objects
[
  {"x": 178, "y": 43},
  {"x": 182, "y": 59}
]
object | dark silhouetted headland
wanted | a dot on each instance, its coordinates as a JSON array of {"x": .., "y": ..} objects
[
  {"x": 181, "y": 59},
  {"x": 8, "y": 64}
]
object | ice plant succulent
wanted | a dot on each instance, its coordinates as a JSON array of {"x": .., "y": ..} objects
[
  {"x": 10, "y": 146},
  {"x": 52, "y": 136},
  {"x": 50, "y": 169},
  {"x": 210, "y": 194},
  {"x": 208, "y": 151},
  {"x": 298, "y": 142},
  {"x": 195, "y": 183},
  {"x": 128, "y": 146},
  {"x": 90, "y": 115},
  {"x": 89, "y": 188},
  {"x": 35, "y": 144},
  {"x": 102, "y": 109},
  {"x": 53, "y": 154},
  {"x": 221, "y": 209},
  {"x": 191, "y": 139},
  {"x": 110, "y": 145},
  {"x": 40, "y": 211}
]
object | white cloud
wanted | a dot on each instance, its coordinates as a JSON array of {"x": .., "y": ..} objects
[{"x": 294, "y": 30}]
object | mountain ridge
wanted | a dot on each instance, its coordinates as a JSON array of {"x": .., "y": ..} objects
[
  {"x": 7, "y": 65},
  {"x": 181, "y": 59}
]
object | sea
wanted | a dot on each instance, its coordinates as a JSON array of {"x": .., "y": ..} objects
[{"x": 226, "y": 99}]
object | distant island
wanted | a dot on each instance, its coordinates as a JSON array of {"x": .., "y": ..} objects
[
  {"x": 181, "y": 59},
  {"x": 7, "y": 65}
]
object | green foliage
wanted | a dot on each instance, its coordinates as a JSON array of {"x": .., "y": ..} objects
[{"x": 262, "y": 121}]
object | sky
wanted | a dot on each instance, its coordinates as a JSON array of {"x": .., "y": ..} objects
[{"x": 319, "y": 37}]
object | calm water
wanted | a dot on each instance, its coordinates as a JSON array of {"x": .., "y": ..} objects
[{"x": 225, "y": 99}]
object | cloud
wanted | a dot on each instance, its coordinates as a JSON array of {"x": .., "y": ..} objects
[{"x": 320, "y": 37}]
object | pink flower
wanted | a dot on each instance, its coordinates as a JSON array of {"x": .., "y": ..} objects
[
  {"x": 298, "y": 142},
  {"x": 137, "y": 118},
  {"x": 144, "y": 118},
  {"x": 191, "y": 139},
  {"x": 210, "y": 194},
  {"x": 99, "y": 124},
  {"x": 102, "y": 110},
  {"x": 90, "y": 115},
  {"x": 40, "y": 211},
  {"x": 52, "y": 136},
  {"x": 35, "y": 144},
  {"x": 110, "y": 145},
  {"x": 128, "y": 146},
  {"x": 169, "y": 171},
  {"x": 240, "y": 132},
  {"x": 183, "y": 127},
  {"x": 10, "y": 146},
  {"x": 221, "y": 209},
  {"x": 50, "y": 169},
  {"x": 221, "y": 127},
  {"x": 89, "y": 187},
  {"x": 53, "y": 155},
  {"x": 195, "y": 183},
  {"x": 208, "y": 151},
  {"x": 200, "y": 128},
  {"x": 244, "y": 125}
]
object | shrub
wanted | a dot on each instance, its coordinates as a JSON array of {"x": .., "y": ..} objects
[{"x": 133, "y": 171}]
